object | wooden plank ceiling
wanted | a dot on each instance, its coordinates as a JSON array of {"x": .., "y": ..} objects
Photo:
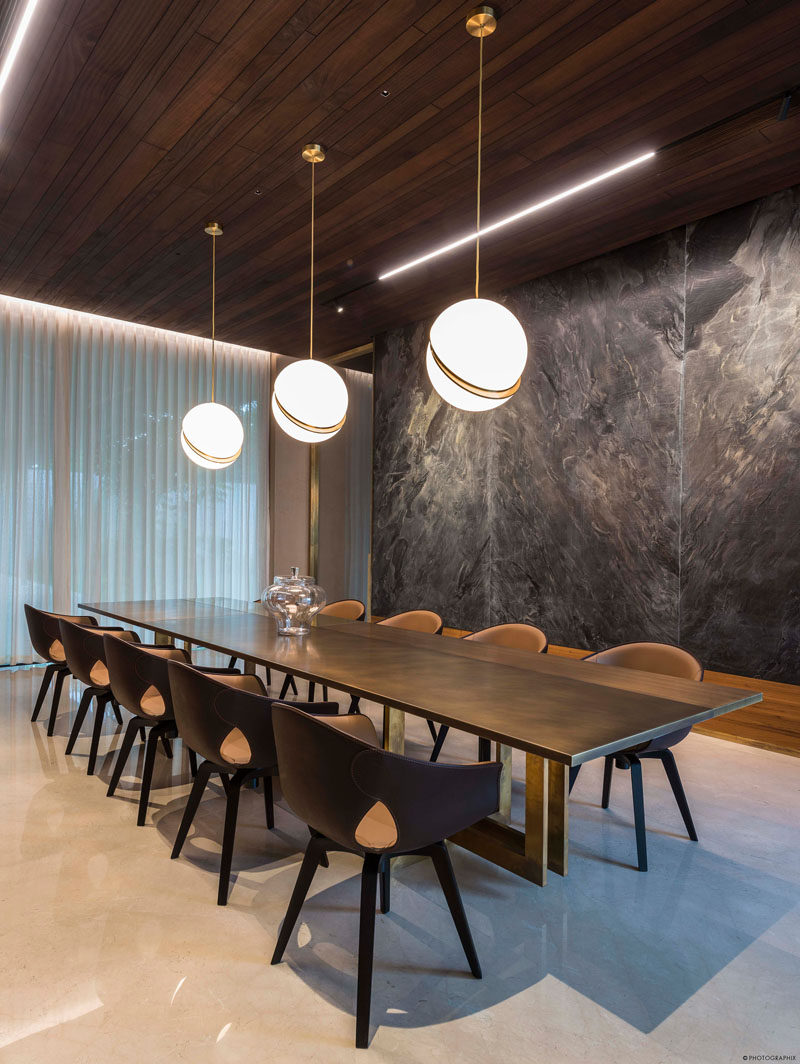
[{"x": 126, "y": 126}]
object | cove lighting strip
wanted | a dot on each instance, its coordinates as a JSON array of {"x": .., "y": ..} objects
[
  {"x": 16, "y": 44},
  {"x": 519, "y": 214}
]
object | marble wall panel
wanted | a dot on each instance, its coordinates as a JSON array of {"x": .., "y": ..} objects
[
  {"x": 431, "y": 492},
  {"x": 586, "y": 499},
  {"x": 645, "y": 481},
  {"x": 740, "y": 586}
]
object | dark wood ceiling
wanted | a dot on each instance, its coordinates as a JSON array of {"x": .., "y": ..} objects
[{"x": 126, "y": 126}]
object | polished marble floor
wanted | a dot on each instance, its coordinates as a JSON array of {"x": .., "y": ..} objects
[{"x": 112, "y": 952}]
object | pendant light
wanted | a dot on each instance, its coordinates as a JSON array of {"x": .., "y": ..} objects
[
  {"x": 212, "y": 434},
  {"x": 309, "y": 400},
  {"x": 477, "y": 349}
]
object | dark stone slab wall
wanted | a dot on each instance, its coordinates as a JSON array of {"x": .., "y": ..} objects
[
  {"x": 643, "y": 483},
  {"x": 740, "y": 567}
]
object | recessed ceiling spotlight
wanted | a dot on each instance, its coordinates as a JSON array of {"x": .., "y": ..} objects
[
  {"x": 386, "y": 92},
  {"x": 257, "y": 191},
  {"x": 339, "y": 310}
]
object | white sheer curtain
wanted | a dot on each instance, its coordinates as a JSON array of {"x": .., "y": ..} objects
[{"x": 99, "y": 501}]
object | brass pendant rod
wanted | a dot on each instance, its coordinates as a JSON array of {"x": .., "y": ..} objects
[
  {"x": 480, "y": 138},
  {"x": 213, "y": 312},
  {"x": 311, "y": 309}
]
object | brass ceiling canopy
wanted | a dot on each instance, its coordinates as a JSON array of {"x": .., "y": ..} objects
[
  {"x": 214, "y": 229},
  {"x": 482, "y": 22},
  {"x": 314, "y": 153}
]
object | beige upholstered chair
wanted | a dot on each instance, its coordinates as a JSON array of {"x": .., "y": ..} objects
[
  {"x": 425, "y": 621},
  {"x": 666, "y": 660},
  {"x": 514, "y": 637},
  {"x": 345, "y": 610}
]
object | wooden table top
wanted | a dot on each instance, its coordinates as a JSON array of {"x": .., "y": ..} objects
[{"x": 566, "y": 710}]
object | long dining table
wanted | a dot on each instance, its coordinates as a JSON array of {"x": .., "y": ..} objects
[{"x": 558, "y": 711}]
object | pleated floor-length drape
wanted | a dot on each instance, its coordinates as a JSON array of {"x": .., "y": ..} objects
[{"x": 97, "y": 499}]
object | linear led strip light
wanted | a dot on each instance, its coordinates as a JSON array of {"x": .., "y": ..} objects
[
  {"x": 16, "y": 43},
  {"x": 518, "y": 215}
]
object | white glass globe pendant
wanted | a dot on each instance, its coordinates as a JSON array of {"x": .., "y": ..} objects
[
  {"x": 477, "y": 349},
  {"x": 309, "y": 400},
  {"x": 212, "y": 434}
]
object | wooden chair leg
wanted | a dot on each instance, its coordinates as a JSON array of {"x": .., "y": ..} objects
[
  {"x": 192, "y": 761},
  {"x": 667, "y": 759},
  {"x": 484, "y": 748},
  {"x": 228, "y": 837},
  {"x": 573, "y": 776},
  {"x": 324, "y": 693},
  {"x": 447, "y": 879},
  {"x": 366, "y": 947},
  {"x": 232, "y": 662},
  {"x": 386, "y": 884},
  {"x": 147, "y": 773},
  {"x": 438, "y": 740},
  {"x": 129, "y": 738},
  {"x": 287, "y": 683},
  {"x": 354, "y": 706},
  {"x": 432, "y": 729},
  {"x": 43, "y": 689},
  {"x": 100, "y": 704},
  {"x": 166, "y": 744},
  {"x": 608, "y": 770},
  {"x": 60, "y": 677},
  {"x": 638, "y": 812},
  {"x": 80, "y": 716},
  {"x": 201, "y": 779},
  {"x": 311, "y": 689},
  {"x": 269, "y": 804},
  {"x": 311, "y": 860},
  {"x": 115, "y": 707}
]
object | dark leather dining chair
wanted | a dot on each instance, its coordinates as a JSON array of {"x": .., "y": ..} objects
[
  {"x": 666, "y": 660},
  {"x": 140, "y": 684},
  {"x": 425, "y": 621},
  {"x": 227, "y": 720},
  {"x": 46, "y": 639},
  {"x": 234, "y": 659},
  {"x": 86, "y": 657},
  {"x": 357, "y": 798},
  {"x": 345, "y": 610},
  {"x": 515, "y": 637}
]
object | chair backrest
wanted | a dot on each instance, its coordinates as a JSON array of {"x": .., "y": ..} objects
[
  {"x": 139, "y": 677},
  {"x": 347, "y": 609},
  {"x": 660, "y": 658},
  {"x": 227, "y": 719},
  {"x": 368, "y": 799},
  {"x": 514, "y": 636},
  {"x": 45, "y": 633},
  {"x": 416, "y": 621},
  {"x": 85, "y": 653}
]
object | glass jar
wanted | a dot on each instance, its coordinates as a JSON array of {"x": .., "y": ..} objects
[{"x": 293, "y": 600}]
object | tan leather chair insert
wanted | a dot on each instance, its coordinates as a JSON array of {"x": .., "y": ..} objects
[
  {"x": 377, "y": 829},
  {"x": 235, "y": 749},
  {"x": 56, "y": 651}
]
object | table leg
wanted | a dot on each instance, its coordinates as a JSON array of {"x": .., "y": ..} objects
[
  {"x": 249, "y": 667},
  {"x": 536, "y": 816},
  {"x": 394, "y": 730},
  {"x": 503, "y": 755},
  {"x": 558, "y": 818},
  {"x": 161, "y": 639}
]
